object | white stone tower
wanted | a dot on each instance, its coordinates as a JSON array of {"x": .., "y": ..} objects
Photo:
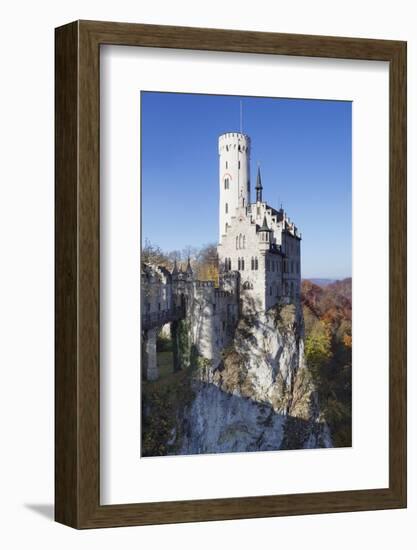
[{"x": 234, "y": 176}]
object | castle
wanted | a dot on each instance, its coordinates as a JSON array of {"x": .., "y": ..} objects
[
  {"x": 259, "y": 267},
  {"x": 258, "y": 241}
]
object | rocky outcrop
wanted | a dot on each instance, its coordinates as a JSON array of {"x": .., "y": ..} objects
[{"x": 259, "y": 396}]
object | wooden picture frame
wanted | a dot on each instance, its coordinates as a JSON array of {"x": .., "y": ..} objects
[{"x": 77, "y": 374}]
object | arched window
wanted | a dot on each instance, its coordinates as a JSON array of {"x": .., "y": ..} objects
[
  {"x": 227, "y": 164},
  {"x": 230, "y": 264},
  {"x": 252, "y": 263},
  {"x": 226, "y": 208},
  {"x": 238, "y": 264},
  {"x": 226, "y": 183},
  {"x": 237, "y": 242},
  {"x": 240, "y": 241},
  {"x": 244, "y": 241},
  {"x": 243, "y": 263},
  {"x": 256, "y": 263}
]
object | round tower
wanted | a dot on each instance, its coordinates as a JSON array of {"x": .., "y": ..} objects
[{"x": 234, "y": 176}]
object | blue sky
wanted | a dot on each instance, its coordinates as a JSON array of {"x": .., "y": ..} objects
[{"x": 304, "y": 150}]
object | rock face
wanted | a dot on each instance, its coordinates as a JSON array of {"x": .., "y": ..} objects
[{"x": 259, "y": 396}]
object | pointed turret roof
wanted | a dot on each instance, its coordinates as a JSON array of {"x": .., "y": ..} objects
[
  {"x": 258, "y": 180},
  {"x": 189, "y": 268},
  {"x": 265, "y": 225}
]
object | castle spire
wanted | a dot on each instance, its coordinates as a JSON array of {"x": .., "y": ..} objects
[
  {"x": 258, "y": 186},
  {"x": 189, "y": 268},
  {"x": 175, "y": 270}
]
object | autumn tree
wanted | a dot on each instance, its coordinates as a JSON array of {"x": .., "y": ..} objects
[{"x": 207, "y": 264}]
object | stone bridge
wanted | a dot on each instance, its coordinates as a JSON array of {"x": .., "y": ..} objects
[
  {"x": 151, "y": 323},
  {"x": 161, "y": 318}
]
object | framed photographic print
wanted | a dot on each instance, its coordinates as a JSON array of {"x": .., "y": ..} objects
[{"x": 230, "y": 274}]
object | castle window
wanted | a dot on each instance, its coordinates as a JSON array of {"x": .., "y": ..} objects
[
  {"x": 238, "y": 164},
  {"x": 227, "y": 164},
  {"x": 270, "y": 290},
  {"x": 244, "y": 241},
  {"x": 226, "y": 208},
  {"x": 256, "y": 263},
  {"x": 226, "y": 183},
  {"x": 225, "y": 227},
  {"x": 227, "y": 148},
  {"x": 237, "y": 243},
  {"x": 230, "y": 264},
  {"x": 238, "y": 264},
  {"x": 243, "y": 264},
  {"x": 240, "y": 241},
  {"x": 252, "y": 263}
]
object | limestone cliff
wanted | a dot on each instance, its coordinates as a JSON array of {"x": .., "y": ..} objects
[{"x": 260, "y": 396}]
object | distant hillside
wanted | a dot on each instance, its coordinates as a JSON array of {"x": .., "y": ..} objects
[
  {"x": 331, "y": 302},
  {"x": 321, "y": 282}
]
